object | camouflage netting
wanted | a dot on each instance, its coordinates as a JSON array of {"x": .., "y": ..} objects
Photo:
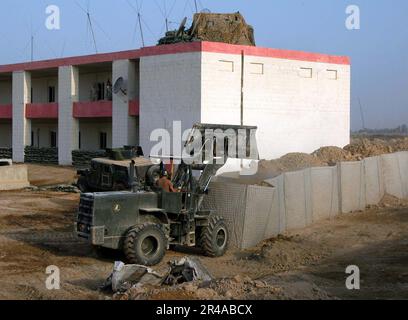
[
  {"x": 214, "y": 27},
  {"x": 227, "y": 28}
]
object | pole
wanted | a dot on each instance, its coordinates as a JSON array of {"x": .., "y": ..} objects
[
  {"x": 196, "y": 7},
  {"x": 362, "y": 114},
  {"x": 141, "y": 29},
  {"x": 242, "y": 86},
  {"x": 32, "y": 48}
]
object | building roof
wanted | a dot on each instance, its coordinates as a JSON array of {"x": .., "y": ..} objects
[{"x": 215, "y": 47}]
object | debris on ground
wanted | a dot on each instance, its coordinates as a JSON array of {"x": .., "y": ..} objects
[
  {"x": 187, "y": 269},
  {"x": 127, "y": 276},
  {"x": 389, "y": 201}
]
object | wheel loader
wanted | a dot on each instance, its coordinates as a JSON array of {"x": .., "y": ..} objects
[{"x": 144, "y": 223}]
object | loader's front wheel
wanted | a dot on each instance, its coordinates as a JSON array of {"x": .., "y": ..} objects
[
  {"x": 214, "y": 238},
  {"x": 146, "y": 245}
]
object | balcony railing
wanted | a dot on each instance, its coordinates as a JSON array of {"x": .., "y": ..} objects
[
  {"x": 42, "y": 111},
  {"x": 93, "y": 109},
  {"x": 6, "y": 111}
]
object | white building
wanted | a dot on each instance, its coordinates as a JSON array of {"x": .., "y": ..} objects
[{"x": 299, "y": 101}]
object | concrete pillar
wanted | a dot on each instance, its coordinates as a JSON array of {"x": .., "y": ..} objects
[
  {"x": 68, "y": 126},
  {"x": 21, "y": 125},
  {"x": 124, "y": 127}
]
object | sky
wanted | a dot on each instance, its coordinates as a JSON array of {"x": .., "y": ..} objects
[{"x": 378, "y": 50}]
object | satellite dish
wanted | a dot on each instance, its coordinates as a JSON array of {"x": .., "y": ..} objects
[
  {"x": 119, "y": 86},
  {"x": 205, "y": 10}
]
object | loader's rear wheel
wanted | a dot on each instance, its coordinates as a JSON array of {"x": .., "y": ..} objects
[
  {"x": 214, "y": 237},
  {"x": 145, "y": 244}
]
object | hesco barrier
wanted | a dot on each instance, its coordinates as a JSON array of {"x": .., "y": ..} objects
[
  {"x": 298, "y": 199},
  {"x": 13, "y": 177}
]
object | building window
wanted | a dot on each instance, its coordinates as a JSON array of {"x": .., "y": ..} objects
[
  {"x": 51, "y": 94},
  {"x": 31, "y": 95},
  {"x": 332, "y": 74},
  {"x": 306, "y": 72},
  {"x": 32, "y": 138},
  {"x": 53, "y": 138},
  {"x": 227, "y": 66},
  {"x": 79, "y": 140},
  {"x": 101, "y": 91},
  {"x": 256, "y": 68},
  {"x": 102, "y": 140}
]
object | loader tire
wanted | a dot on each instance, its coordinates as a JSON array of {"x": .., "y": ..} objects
[
  {"x": 146, "y": 244},
  {"x": 153, "y": 176},
  {"x": 214, "y": 238}
]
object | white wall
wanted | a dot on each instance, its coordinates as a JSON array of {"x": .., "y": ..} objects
[
  {"x": 5, "y": 134},
  {"x": 40, "y": 88},
  {"x": 170, "y": 89},
  {"x": 90, "y": 130},
  {"x": 42, "y": 132},
  {"x": 293, "y": 113},
  {"x": 21, "y": 125},
  {"x": 221, "y": 88},
  {"x": 5, "y": 92},
  {"x": 125, "y": 129}
]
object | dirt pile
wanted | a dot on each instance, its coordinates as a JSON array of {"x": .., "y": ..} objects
[
  {"x": 227, "y": 28},
  {"x": 359, "y": 149},
  {"x": 289, "y": 162},
  {"x": 362, "y": 148},
  {"x": 332, "y": 155},
  {"x": 283, "y": 252},
  {"x": 389, "y": 201},
  {"x": 237, "y": 288}
]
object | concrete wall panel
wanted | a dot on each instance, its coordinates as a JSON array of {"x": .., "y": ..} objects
[
  {"x": 374, "y": 182},
  {"x": 324, "y": 193},
  {"x": 392, "y": 175},
  {"x": 295, "y": 200},
  {"x": 403, "y": 167},
  {"x": 13, "y": 177},
  {"x": 261, "y": 222},
  {"x": 352, "y": 186}
]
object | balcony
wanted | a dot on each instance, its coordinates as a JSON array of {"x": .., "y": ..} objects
[
  {"x": 134, "y": 108},
  {"x": 93, "y": 109},
  {"x": 6, "y": 111},
  {"x": 42, "y": 111}
]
